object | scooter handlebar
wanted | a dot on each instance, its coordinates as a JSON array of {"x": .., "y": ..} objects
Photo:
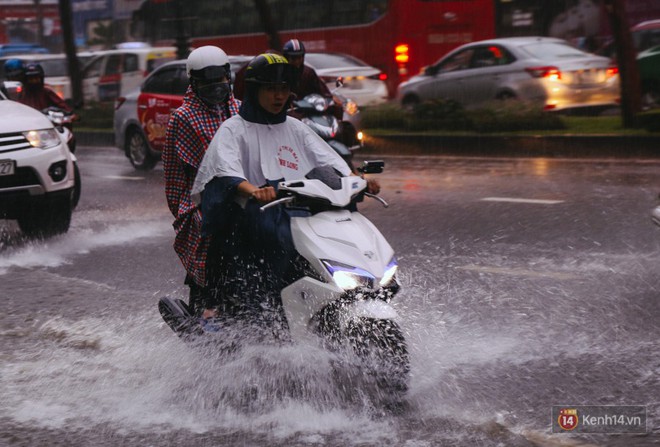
[
  {"x": 276, "y": 202},
  {"x": 380, "y": 199}
]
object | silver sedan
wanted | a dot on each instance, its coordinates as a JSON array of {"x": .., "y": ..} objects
[{"x": 546, "y": 71}]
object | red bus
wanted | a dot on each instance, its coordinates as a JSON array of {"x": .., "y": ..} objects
[{"x": 399, "y": 37}]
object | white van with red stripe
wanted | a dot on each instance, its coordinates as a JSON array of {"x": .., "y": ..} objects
[{"x": 114, "y": 73}]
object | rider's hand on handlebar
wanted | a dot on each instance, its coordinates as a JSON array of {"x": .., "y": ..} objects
[
  {"x": 373, "y": 186},
  {"x": 265, "y": 194}
]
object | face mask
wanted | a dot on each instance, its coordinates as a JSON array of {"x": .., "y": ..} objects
[{"x": 215, "y": 93}]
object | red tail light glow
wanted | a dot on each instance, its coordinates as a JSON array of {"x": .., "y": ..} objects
[
  {"x": 549, "y": 72},
  {"x": 401, "y": 53},
  {"x": 379, "y": 77},
  {"x": 611, "y": 72}
]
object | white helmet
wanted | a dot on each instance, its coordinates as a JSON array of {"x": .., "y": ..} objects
[{"x": 207, "y": 62}]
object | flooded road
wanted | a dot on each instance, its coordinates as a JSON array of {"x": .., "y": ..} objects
[{"x": 526, "y": 283}]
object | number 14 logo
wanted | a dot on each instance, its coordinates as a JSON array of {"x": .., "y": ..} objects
[{"x": 568, "y": 418}]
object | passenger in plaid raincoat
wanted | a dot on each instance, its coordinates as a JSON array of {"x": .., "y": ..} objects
[{"x": 206, "y": 105}]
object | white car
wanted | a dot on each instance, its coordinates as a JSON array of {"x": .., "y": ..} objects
[
  {"x": 114, "y": 73},
  {"x": 55, "y": 68},
  {"x": 363, "y": 83},
  {"x": 39, "y": 178}
]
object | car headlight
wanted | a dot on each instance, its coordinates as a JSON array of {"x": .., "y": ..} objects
[
  {"x": 390, "y": 271},
  {"x": 347, "y": 277},
  {"x": 43, "y": 139}
]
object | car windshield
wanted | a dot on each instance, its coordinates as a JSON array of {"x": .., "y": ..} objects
[
  {"x": 54, "y": 67},
  {"x": 156, "y": 62},
  {"x": 321, "y": 61},
  {"x": 552, "y": 51}
]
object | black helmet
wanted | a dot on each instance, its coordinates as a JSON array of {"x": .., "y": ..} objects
[
  {"x": 293, "y": 47},
  {"x": 270, "y": 68},
  {"x": 33, "y": 70}
]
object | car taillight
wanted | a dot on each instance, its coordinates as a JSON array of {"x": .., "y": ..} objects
[
  {"x": 611, "y": 72},
  {"x": 119, "y": 101},
  {"x": 549, "y": 72},
  {"x": 379, "y": 77}
]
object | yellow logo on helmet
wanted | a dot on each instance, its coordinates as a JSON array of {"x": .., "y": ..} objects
[{"x": 273, "y": 58}]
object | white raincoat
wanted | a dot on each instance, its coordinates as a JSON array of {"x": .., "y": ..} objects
[{"x": 262, "y": 152}]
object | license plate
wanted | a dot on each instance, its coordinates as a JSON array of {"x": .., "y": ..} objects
[
  {"x": 7, "y": 167},
  {"x": 589, "y": 77}
]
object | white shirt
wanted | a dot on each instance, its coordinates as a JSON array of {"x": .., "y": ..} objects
[{"x": 260, "y": 152}]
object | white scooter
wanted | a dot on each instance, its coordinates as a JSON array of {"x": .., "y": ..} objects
[{"x": 344, "y": 298}]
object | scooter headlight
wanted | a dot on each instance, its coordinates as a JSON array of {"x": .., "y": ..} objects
[
  {"x": 347, "y": 277},
  {"x": 390, "y": 271},
  {"x": 43, "y": 139}
]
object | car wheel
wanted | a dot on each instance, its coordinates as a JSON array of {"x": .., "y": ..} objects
[
  {"x": 410, "y": 102},
  {"x": 505, "y": 96},
  {"x": 137, "y": 150},
  {"x": 51, "y": 218}
]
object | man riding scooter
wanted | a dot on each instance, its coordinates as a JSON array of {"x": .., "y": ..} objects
[{"x": 36, "y": 94}]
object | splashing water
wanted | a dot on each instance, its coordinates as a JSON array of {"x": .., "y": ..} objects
[{"x": 58, "y": 250}]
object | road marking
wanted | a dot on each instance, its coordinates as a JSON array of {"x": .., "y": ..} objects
[
  {"x": 516, "y": 272},
  {"x": 122, "y": 177},
  {"x": 517, "y": 200}
]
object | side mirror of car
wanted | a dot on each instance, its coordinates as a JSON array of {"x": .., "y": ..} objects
[
  {"x": 430, "y": 70},
  {"x": 339, "y": 82}
]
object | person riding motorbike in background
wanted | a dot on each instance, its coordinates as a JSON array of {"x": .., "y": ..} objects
[
  {"x": 35, "y": 93},
  {"x": 208, "y": 102},
  {"x": 250, "y": 154},
  {"x": 308, "y": 81}
]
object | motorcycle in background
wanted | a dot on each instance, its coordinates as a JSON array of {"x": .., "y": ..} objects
[
  {"x": 320, "y": 114},
  {"x": 63, "y": 122}
]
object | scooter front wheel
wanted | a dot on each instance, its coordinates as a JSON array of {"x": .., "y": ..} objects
[{"x": 381, "y": 346}]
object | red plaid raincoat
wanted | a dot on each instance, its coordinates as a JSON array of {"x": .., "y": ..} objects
[{"x": 189, "y": 131}]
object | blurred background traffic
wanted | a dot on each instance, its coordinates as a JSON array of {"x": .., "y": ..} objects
[{"x": 389, "y": 53}]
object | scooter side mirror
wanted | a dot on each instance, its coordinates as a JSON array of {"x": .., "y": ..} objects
[
  {"x": 372, "y": 167},
  {"x": 12, "y": 89}
]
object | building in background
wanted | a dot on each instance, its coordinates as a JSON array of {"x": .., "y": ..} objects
[
  {"x": 30, "y": 21},
  {"x": 100, "y": 24},
  {"x": 97, "y": 23},
  {"x": 582, "y": 22}
]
